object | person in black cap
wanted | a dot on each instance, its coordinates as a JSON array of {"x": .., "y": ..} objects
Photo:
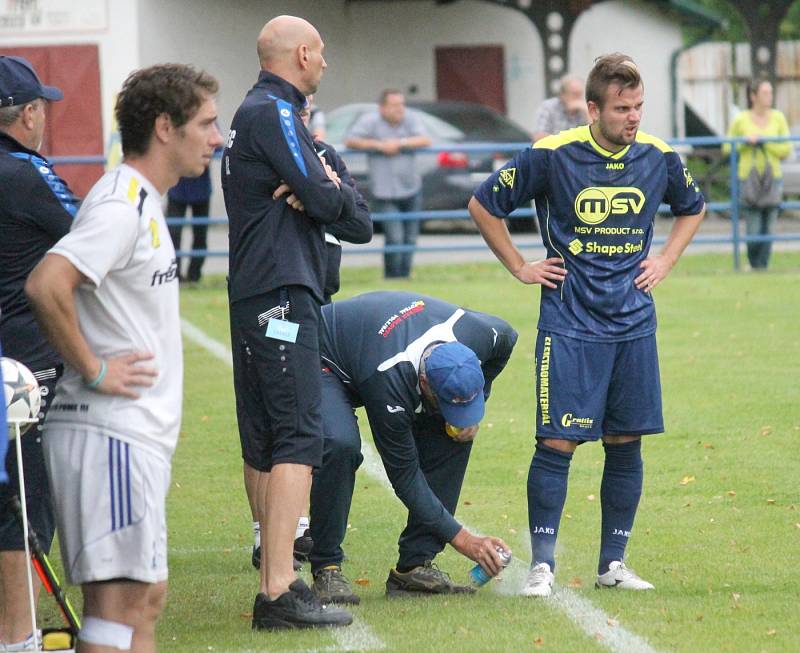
[
  {"x": 423, "y": 369},
  {"x": 36, "y": 210}
]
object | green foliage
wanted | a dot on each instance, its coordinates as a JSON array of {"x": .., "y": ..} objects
[
  {"x": 736, "y": 28},
  {"x": 718, "y": 531}
]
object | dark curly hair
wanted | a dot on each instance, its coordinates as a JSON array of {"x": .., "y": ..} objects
[
  {"x": 175, "y": 89},
  {"x": 614, "y": 68}
]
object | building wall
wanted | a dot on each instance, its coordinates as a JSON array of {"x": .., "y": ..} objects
[
  {"x": 362, "y": 47},
  {"x": 379, "y": 58},
  {"x": 118, "y": 47},
  {"x": 370, "y": 45},
  {"x": 362, "y": 44}
]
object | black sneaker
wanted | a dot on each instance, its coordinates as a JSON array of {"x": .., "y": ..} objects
[
  {"x": 303, "y": 546},
  {"x": 331, "y": 586},
  {"x": 297, "y": 608},
  {"x": 423, "y": 580},
  {"x": 255, "y": 559}
]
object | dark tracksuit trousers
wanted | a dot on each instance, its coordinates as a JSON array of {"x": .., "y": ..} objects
[{"x": 442, "y": 460}]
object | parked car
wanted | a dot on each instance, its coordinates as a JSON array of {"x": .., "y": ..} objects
[{"x": 450, "y": 177}]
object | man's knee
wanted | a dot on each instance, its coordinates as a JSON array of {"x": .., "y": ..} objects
[
  {"x": 156, "y": 601},
  {"x": 127, "y": 602},
  {"x": 343, "y": 447}
]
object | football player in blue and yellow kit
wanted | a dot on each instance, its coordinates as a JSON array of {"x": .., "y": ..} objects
[{"x": 597, "y": 189}]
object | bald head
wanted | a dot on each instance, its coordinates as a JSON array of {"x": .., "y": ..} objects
[
  {"x": 291, "y": 48},
  {"x": 281, "y": 36}
]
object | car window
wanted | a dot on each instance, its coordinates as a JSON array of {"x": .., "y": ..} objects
[
  {"x": 339, "y": 121},
  {"x": 478, "y": 123},
  {"x": 438, "y": 129}
]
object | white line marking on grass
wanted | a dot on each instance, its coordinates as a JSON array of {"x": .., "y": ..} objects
[
  {"x": 358, "y": 636},
  {"x": 214, "y": 347},
  {"x": 592, "y": 620}
]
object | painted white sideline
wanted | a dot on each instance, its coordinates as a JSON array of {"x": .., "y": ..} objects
[{"x": 590, "y": 619}]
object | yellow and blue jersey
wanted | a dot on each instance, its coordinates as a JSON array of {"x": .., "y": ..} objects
[{"x": 596, "y": 210}]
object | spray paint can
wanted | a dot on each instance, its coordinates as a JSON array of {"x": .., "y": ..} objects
[{"x": 478, "y": 575}]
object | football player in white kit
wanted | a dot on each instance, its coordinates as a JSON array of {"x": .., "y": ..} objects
[{"x": 106, "y": 296}]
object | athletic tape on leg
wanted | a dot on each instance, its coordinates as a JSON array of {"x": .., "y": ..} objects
[{"x": 106, "y": 633}]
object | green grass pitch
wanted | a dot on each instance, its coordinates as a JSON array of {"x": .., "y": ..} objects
[{"x": 718, "y": 529}]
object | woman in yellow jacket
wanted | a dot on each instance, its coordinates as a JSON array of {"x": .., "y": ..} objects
[{"x": 759, "y": 121}]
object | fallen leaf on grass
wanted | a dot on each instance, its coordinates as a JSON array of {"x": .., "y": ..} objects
[
  {"x": 575, "y": 583},
  {"x": 771, "y": 632},
  {"x": 731, "y": 493},
  {"x": 765, "y": 430},
  {"x": 612, "y": 622},
  {"x": 538, "y": 642},
  {"x": 362, "y": 581},
  {"x": 468, "y": 503},
  {"x": 204, "y": 418},
  {"x": 246, "y": 615},
  {"x": 771, "y": 502},
  {"x": 698, "y": 617},
  {"x": 708, "y": 445},
  {"x": 687, "y": 479}
]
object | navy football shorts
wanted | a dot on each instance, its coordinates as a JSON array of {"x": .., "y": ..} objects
[
  {"x": 585, "y": 390},
  {"x": 277, "y": 383}
]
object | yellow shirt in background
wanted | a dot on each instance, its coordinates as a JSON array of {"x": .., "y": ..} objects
[{"x": 772, "y": 153}]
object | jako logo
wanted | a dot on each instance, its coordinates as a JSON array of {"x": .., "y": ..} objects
[{"x": 595, "y": 204}]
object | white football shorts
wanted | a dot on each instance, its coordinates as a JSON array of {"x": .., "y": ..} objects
[{"x": 109, "y": 498}]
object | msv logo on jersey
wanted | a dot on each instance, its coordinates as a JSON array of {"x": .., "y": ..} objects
[{"x": 593, "y": 205}]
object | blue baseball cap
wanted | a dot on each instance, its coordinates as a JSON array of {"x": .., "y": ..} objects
[
  {"x": 19, "y": 83},
  {"x": 455, "y": 376}
]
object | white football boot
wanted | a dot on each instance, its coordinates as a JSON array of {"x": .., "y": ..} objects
[
  {"x": 618, "y": 575},
  {"x": 539, "y": 581}
]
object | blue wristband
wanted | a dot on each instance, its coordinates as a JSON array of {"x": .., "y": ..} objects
[{"x": 100, "y": 375}]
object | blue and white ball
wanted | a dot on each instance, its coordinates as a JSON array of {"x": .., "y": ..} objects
[{"x": 23, "y": 396}]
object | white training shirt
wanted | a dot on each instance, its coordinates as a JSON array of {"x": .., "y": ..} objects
[{"x": 120, "y": 242}]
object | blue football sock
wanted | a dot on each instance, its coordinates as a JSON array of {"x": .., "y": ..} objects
[
  {"x": 547, "y": 491},
  {"x": 619, "y": 498}
]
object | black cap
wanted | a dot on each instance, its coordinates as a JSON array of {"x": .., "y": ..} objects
[{"x": 19, "y": 83}]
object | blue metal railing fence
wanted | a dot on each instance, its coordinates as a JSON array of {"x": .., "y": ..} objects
[{"x": 731, "y": 206}]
